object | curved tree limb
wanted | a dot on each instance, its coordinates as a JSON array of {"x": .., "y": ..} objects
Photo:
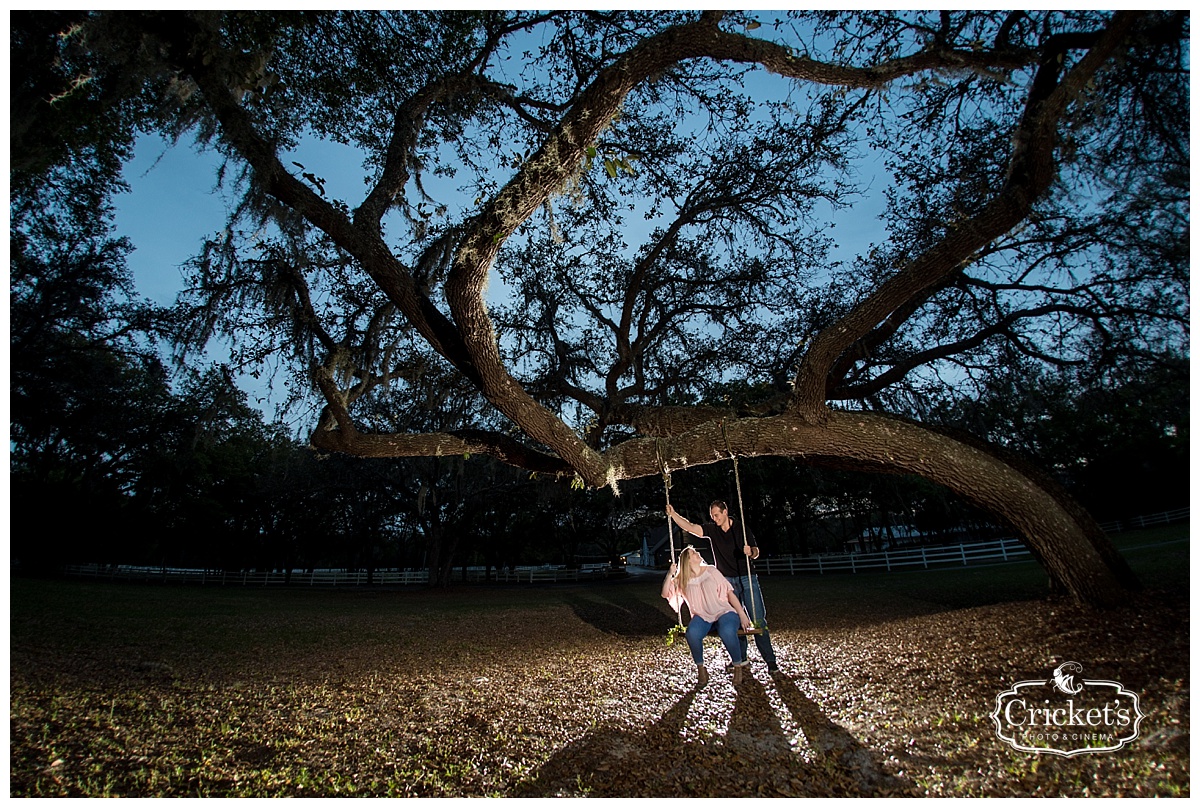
[
  {"x": 1060, "y": 533},
  {"x": 902, "y": 368},
  {"x": 438, "y": 444},
  {"x": 1031, "y": 171}
]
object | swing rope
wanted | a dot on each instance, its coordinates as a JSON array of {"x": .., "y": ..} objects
[
  {"x": 737, "y": 479},
  {"x": 666, "y": 475}
]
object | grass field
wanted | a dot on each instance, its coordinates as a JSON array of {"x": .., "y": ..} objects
[{"x": 888, "y": 681}]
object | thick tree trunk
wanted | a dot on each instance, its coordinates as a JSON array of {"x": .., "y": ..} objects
[
  {"x": 1057, "y": 531},
  {"x": 439, "y": 553}
]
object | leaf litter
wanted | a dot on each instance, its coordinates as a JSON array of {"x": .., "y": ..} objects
[{"x": 573, "y": 692}]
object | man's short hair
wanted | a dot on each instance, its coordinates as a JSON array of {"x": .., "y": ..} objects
[{"x": 718, "y": 503}]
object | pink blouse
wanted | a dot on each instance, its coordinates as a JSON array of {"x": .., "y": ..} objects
[{"x": 707, "y": 594}]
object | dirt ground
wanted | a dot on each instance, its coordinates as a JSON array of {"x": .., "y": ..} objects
[{"x": 572, "y": 691}]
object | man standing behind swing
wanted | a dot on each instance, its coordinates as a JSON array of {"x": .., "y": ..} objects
[{"x": 731, "y": 553}]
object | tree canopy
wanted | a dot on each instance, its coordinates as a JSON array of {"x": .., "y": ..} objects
[{"x": 577, "y": 227}]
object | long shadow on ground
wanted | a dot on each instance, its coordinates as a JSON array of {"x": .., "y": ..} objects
[
  {"x": 614, "y": 761},
  {"x": 834, "y": 743},
  {"x": 679, "y": 756}
]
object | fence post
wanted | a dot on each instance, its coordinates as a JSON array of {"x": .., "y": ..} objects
[
  {"x": 852, "y": 567},
  {"x": 887, "y": 561},
  {"x": 962, "y": 549},
  {"x": 820, "y": 569},
  {"x": 924, "y": 560},
  {"x": 1004, "y": 549}
]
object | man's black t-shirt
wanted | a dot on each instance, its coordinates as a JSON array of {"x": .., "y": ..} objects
[{"x": 728, "y": 554}]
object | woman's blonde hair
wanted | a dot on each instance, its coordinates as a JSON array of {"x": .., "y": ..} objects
[{"x": 684, "y": 576}]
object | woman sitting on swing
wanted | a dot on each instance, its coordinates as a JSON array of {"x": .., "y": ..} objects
[{"x": 711, "y": 601}]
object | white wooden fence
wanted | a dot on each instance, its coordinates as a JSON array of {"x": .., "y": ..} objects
[
  {"x": 997, "y": 551},
  {"x": 1139, "y": 522},
  {"x": 328, "y": 577},
  {"x": 964, "y": 554}
]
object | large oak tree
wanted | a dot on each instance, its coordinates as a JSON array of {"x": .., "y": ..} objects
[{"x": 591, "y": 219}]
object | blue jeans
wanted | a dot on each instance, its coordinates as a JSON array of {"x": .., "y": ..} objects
[
  {"x": 743, "y": 587},
  {"x": 727, "y": 628}
]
